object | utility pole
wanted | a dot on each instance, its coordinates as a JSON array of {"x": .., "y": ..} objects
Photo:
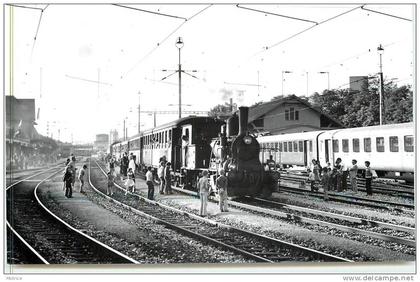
[
  {"x": 124, "y": 129},
  {"x": 381, "y": 82},
  {"x": 179, "y": 77},
  {"x": 138, "y": 127}
]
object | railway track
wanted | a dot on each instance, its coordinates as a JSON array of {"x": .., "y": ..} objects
[
  {"x": 404, "y": 191},
  {"x": 48, "y": 238},
  {"x": 350, "y": 199},
  {"x": 258, "y": 247},
  {"x": 403, "y": 234}
]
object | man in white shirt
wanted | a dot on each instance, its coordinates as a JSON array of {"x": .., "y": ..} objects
[
  {"x": 132, "y": 164},
  {"x": 149, "y": 182}
]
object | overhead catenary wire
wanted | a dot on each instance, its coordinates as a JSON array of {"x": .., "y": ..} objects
[
  {"x": 275, "y": 14},
  {"x": 164, "y": 40},
  {"x": 305, "y": 30},
  {"x": 25, "y": 7},
  {"x": 385, "y": 14},
  {"x": 150, "y": 12}
]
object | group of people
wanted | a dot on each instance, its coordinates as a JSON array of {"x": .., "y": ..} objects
[
  {"x": 335, "y": 178},
  {"x": 204, "y": 189},
  {"x": 69, "y": 177}
]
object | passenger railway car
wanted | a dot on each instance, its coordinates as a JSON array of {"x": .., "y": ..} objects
[
  {"x": 389, "y": 148},
  {"x": 185, "y": 143}
]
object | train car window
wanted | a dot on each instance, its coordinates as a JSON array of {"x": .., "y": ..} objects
[
  {"x": 336, "y": 146},
  {"x": 380, "y": 144},
  {"x": 356, "y": 145},
  {"x": 290, "y": 147},
  {"x": 300, "y": 146},
  {"x": 295, "y": 146},
  {"x": 166, "y": 136},
  {"x": 310, "y": 146},
  {"x": 170, "y": 135},
  {"x": 409, "y": 143},
  {"x": 345, "y": 144},
  {"x": 285, "y": 146},
  {"x": 393, "y": 143},
  {"x": 280, "y": 147},
  {"x": 286, "y": 114},
  {"x": 367, "y": 145}
]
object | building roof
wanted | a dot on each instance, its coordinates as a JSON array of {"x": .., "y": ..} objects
[{"x": 260, "y": 110}]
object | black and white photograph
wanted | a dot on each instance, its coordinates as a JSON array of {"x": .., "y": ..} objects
[{"x": 210, "y": 139}]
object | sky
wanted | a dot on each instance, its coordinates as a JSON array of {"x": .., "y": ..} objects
[{"x": 235, "y": 53}]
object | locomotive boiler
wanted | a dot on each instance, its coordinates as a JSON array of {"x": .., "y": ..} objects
[{"x": 238, "y": 153}]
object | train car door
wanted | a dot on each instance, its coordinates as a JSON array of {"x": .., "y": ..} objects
[
  {"x": 327, "y": 150},
  {"x": 186, "y": 143},
  {"x": 305, "y": 152}
]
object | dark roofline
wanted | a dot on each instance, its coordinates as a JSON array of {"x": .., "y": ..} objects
[{"x": 283, "y": 100}]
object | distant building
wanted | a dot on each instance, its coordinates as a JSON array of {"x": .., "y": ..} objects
[
  {"x": 289, "y": 115},
  {"x": 20, "y": 119},
  {"x": 113, "y": 136},
  {"x": 358, "y": 83},
  {"x": 101, "y": 142}
]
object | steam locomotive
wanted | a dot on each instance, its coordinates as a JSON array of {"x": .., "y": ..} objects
[{"x": 192, "y": 144}]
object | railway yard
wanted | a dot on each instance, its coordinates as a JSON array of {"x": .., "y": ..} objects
[{"x": 293, "y": 226}]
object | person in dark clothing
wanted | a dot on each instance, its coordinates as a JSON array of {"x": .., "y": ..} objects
[
  {"x": 149, "y": 182},
  {"x": 124, "y": 164},
  {"x": 167, "y": 175},
  {"x": 368, "y": 178},
  {"x": 68, "y": 178}
]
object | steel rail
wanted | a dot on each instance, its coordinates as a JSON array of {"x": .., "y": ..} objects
[
  {"x": 320, "y": 222},
  {"x": 341, "y": 216},
  {"x": 266, "y": 238},
  {"x": 348, "y": 198},
  {"x": 80, "y": 233},
  {"x": 170, "y": 225}
]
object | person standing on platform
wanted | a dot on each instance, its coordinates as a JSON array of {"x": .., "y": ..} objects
[
  {"x": 72, "y": 164},
  {"x": 161, "y": 176},
  {"x": 68, "y": 178},
  {"x": 222, "y": 184},
  {"x": 325, "y": 182},
  {"x": 132, "y": 164},
  {"x": 81, "y": 177},
  {"x": 353, "y": 174},
  {"x": 110, "y": 187},
  {"x": 167, "y": 175},
  {"x": 339, "y": 175},
  {"x": 124, "y": 165},
  {"x": 344, "y": 176},
  {"x": 149, "y": 182},
  {"x": 129, "y": 183},
  {"x": 368, "y": 178},
  {"x": 271, "y": 163},
  {"x": 203, "y": 188}
]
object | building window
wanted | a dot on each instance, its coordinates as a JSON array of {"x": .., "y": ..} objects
[
  {"x": 335, "y": 146},
  {"x": 291, "y": 114},
  {"x": 409, "y": 143},
  {"x": 393, "y": 143},
  {"x": 356, "y": 145},
  {"x": 345, "y": 143},
  {"x": 367, "y": 145},
  {"x": 380, "y": 144}
]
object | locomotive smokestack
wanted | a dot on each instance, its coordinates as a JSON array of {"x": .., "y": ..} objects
[{"x": 243, "y": 120}]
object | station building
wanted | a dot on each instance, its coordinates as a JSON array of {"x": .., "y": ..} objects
[{"x": 290, "y": 114}]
